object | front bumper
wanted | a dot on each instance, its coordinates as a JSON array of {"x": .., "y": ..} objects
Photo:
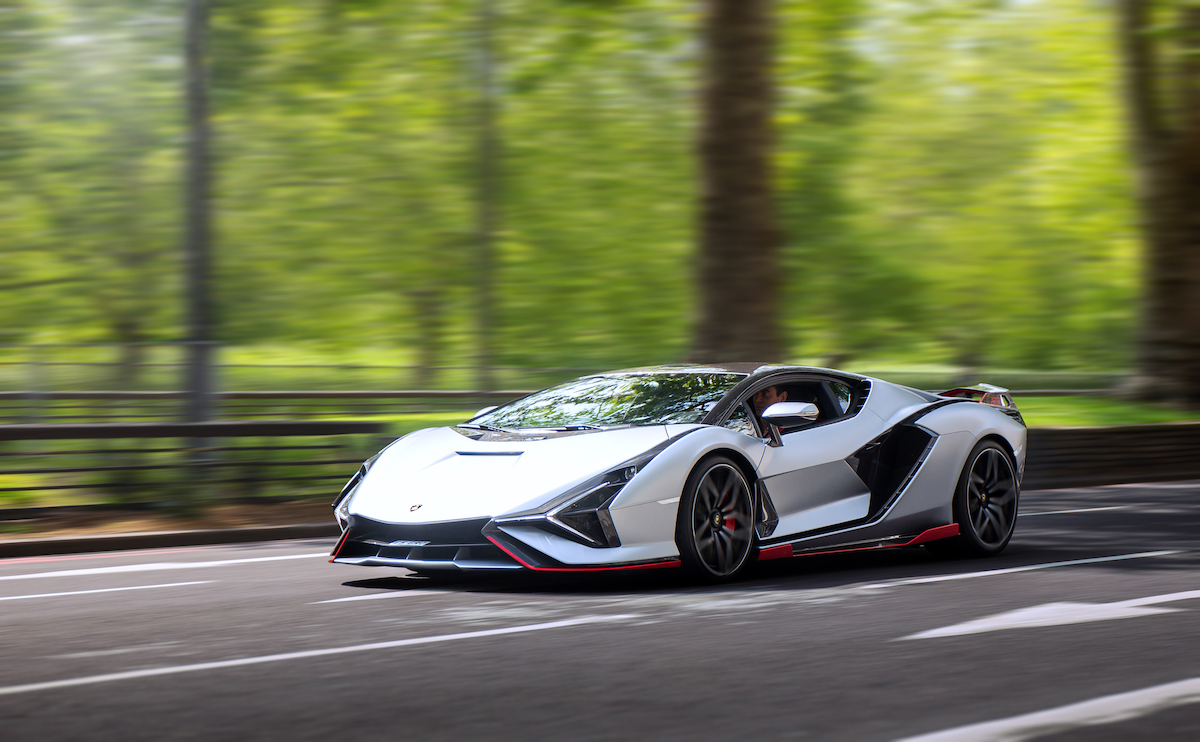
[
  {"x": 476, "y": 544},
  {"x": 451, "y": 545}
]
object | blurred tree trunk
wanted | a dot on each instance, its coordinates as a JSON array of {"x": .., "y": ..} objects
[
  {"x": 1162, "y": 89},
  {"x": 197, "y": 231},
  {"x": 429, "y": 308},
  {"x": 487, "y": 190},
  {"x": 739, "y": 270}
]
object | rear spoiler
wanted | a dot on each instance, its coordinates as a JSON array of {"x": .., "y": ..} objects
[{"x": 984, "y": 394}]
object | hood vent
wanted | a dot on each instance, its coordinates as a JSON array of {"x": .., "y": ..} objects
[{"x": 489, "y": 453}]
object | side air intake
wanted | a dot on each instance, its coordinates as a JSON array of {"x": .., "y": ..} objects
[{"x": 887, "y": 463}]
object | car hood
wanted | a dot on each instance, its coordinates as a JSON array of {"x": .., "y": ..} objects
[{"x": 439, "y": 475}]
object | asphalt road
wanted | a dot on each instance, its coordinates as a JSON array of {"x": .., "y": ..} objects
[{"x": 1085, "y": 629}]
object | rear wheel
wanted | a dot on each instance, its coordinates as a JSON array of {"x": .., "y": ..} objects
[
  {"x": 715, "y": 527},
  {"x": 985, "y": 504}
]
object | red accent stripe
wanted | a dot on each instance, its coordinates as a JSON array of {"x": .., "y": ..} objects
[
  {"x": 783, "y": 551},
  {"x": 527, "y": 565},
  {"x": 934, "y": 534},
  {"x": 340, "y": 543}
]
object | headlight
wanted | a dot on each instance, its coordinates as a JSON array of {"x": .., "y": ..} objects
[
  {"x": 341, "y": 505},
  {"x": 581, "y": 514}
]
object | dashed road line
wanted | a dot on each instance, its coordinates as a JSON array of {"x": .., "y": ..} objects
[
  {"x": 1103, "y": 710},
  {"x": 377, "y": 596},
  {"x": 1014, "y": 570},
  {"x": 102, "y": 590},
  {"x": 108, "y": 555},
  {"x": 245, "y": 661},
  {"x": 157, "y": 566},
  {"x": 1078, "y": 510}
]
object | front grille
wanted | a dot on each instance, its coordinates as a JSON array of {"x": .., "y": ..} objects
[
  {"x": 449, "y": 534},
  {"x": 455, "y": 544}
]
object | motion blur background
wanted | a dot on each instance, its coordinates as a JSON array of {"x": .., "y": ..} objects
[
  {"x": 952, "y": 183},
  {"x": 473, "y": 196}
]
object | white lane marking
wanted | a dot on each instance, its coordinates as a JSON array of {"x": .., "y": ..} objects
[
  {"x": 112, "y": 652},
  {"x": 103, "y": 590},
  {"x": 1014, "y": 570},
  {"x": 377, "y": 596},
  {"x": 177, "y": 669},
  {"x": 1080, "y": 510},
  {"x": 1103, "y": 710},
  {"x": 1060, "y": 614},
  {"x": 155, "y": 567}
]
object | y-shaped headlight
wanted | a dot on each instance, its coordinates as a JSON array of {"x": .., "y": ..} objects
[
  {"x": 581, "y": 514},
  {"x": 341, "y": 505}
]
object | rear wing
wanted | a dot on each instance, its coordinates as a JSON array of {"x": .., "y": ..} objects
[{"x": 987, "y": 394}]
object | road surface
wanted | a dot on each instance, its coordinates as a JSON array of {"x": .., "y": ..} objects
[{"x": 1086, "y": 628}]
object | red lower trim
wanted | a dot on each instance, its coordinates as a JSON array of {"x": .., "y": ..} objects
[
  {"x": 783, "y": 551},
  {"x": 340, "y": 543},
  {"x": 527, "y": 565},
  {"x": 934, "y": 534}
]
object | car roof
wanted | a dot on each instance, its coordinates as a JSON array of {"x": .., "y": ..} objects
[{"x": 747, "y": 369}]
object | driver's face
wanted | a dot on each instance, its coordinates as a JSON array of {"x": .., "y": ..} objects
[{"x": 764, "y": 398}]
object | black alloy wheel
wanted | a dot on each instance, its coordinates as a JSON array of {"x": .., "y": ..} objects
[
  {"x": 715, "y": 526},
  {"x": 985, "y": 503}
]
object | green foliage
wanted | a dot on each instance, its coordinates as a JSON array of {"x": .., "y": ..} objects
[
  {"x": 1085, "y": 411},
  {"x": 952, "y": 181}
]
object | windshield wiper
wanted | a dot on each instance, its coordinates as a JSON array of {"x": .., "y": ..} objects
[{"x": 578, "y": 426}]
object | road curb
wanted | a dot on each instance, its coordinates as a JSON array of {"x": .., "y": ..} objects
[{"x": 161, "y": 539}]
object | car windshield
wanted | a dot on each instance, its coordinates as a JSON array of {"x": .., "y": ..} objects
[{"x": 616, "y": 399}]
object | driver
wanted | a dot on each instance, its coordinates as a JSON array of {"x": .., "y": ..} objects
[{"x": 763, "y": 399}]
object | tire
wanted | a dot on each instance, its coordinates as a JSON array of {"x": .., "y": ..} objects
[
  {"x": 714, "y": 529},
  {"x": 985, "y": 504}
]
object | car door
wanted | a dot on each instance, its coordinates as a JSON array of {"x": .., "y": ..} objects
[{"x": 807, "y": 478}]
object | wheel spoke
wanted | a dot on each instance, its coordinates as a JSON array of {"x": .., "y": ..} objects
[
  {"x": 727, "y": 489},
  {"x": 731, "y": 552},
  {"x": 721, "y": 552},
  {"x": 734, "y": 503},
  {"x": 984, "y": 525},
  {"x": 978, "y": 519},
  {"x": 708, "y": 489},
  {"x": 1003, "y": 500},
  {"x": 1000, "y": 521}
]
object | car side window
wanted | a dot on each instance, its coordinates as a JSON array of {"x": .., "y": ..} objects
[
  {"x": 740, "y": 421},
  {"x": 842, "y": 395},
  {"x": 835, "y": 400}
]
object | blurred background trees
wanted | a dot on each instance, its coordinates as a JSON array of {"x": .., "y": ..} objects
[
  {"x": 1160, "y": 42},
  {"x": 951, "y": 180}
]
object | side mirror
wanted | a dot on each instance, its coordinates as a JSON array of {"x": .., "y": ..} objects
[
  {"x": 484, "y": 411},
  {"x": 787, "y": 414}
]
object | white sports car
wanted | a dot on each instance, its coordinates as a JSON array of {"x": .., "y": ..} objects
[{"x": 709, "y": 468}]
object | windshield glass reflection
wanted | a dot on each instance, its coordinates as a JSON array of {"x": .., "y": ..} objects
[{"x": 618, "y": 399}]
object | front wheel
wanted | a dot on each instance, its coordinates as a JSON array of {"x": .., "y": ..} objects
[
  {"x": 715, "y": 527},
  {"x": 985, "y": 504}
]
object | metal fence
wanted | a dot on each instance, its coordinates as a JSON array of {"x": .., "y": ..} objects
[
  {"x": 141, "y": 464},
  {"x": 160, "y": 367},
  {"x": 131, "y": 465},
  {"x": 105, "y": 406},
  {"x": 1119, "y": 454}
]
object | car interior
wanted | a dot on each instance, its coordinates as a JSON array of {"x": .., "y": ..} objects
[{"x": 833, "y": 401}]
